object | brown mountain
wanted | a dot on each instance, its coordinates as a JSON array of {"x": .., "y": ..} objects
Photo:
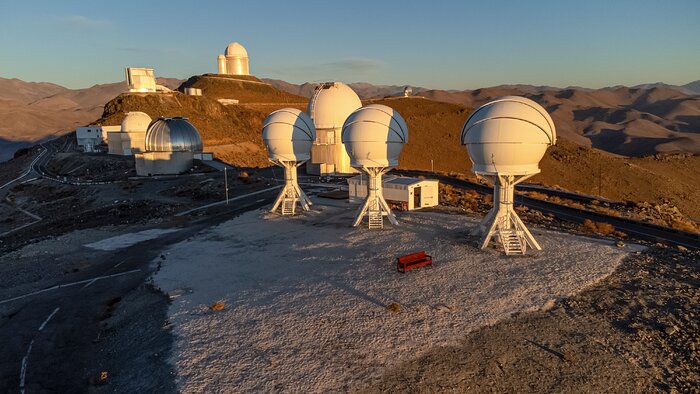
[{"x": 34, "y": 111}]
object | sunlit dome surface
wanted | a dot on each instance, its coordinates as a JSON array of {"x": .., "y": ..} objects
[
  {"x": 136, "y": 121},
  {"x": 331, "y": 104},
  {"x": 236, "y": 50},
  {"x": 173, "y": 135}
]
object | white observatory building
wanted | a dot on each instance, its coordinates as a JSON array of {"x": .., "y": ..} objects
[
  {"x": 170, "y": 147},
  {"x": 373, "y": 137},
  {"x": 234, "y": 61},
  {"x": 329, "y": 107},
  {"x": 288, "y": 134},
  {"x": 506, "y": 138},
  {"x": 407, "y": 91},
  {"x": 131, "y": 138}
]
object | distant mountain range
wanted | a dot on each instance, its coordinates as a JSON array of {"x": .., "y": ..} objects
[
  {"x": 629, "y": 121},
  {"x": 636, "y": 120}
]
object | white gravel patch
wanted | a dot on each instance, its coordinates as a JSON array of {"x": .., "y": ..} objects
[
  {"x": 126, "y": 240},
  {"x": 306, "y": 296}
]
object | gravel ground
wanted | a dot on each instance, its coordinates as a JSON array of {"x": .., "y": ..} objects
[
  {"x": 311, "y": 304},
  {"x": 636, "y": 331}
]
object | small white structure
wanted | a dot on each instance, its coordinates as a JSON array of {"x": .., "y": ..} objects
[
  {"x": 88, "y": 137},
  {"x": 407, "y": 91},
  {"x": 234, "y": 61},
  {"x": 171, "y": 144},
  {"x": 373, "y": 137},
  {"x": 288, "y": 134},
  {"x": 193, "y": 91},
  {"x": 227, "y": 101},
  {"x": 409, "y": 193},
  {"x": 140, "y": 80},
  {"x": 329, "y": 107},
  {"x": 506, "y": 138}
]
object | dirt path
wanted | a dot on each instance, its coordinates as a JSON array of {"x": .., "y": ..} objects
[{"x": 638, "y": 331}]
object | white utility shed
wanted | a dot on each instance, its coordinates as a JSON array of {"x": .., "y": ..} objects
[{"x": 411, "y": 193}]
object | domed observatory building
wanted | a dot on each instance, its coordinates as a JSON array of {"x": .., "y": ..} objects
[
  {"x": 170, "y": 147},
  {"x": 329, "y": 107},
  {"x": 506, "y": 138},
  {"x": 131, "y": 138},
  {"x": 373, "y": 137},
  {"x": 288, "y": 134},
  {"x": 234, "y": 61}
]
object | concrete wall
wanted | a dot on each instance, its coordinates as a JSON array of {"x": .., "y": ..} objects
[
  {"x": 126, "y": 144},
  {"x": 163, "y": 163}
]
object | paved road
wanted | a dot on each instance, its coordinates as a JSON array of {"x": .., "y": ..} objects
[{"x": 49, "y": 335}]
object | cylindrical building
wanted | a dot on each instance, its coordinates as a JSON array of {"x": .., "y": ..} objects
[{"x": 329, "y": 106}]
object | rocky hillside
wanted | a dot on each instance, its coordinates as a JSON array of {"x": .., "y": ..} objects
[
  {"x": 434, "y": 130},
  {"x": 638, "y": 121},
  {"x": 231, "y": 132},
  {"x": 245, "y": 88}
]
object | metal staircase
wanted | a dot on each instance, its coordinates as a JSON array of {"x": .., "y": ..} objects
[
  {"x": 288, "y": 205},
  {"x": 376, "y": 220},
  {"x": 512, "y": 241}
]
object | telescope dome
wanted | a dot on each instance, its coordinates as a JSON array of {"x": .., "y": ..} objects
[
  {"x": 173, "y": 135},
  {"x": 235, "y": 49},
  {"x": 136, "y": 122},
  {"x": 374, "y": 136},
  {"x": 288, "y": 134},
  {"x": 508, "y": 136},
  {"x": 331, "y": 103}
]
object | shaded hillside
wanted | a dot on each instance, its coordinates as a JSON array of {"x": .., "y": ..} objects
[
  {"x": 244, "y": 88},
  {"x": 32, "y": 111},
  {"x": 434, "y": 130}
]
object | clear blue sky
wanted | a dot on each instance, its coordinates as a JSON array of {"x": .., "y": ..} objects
[{"x": 435, "y": 44}]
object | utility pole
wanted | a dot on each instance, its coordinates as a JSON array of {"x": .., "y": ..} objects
[
  {"x": 226, "y": 183},
  {"x": 600, "y": 175},
  {"x": 431, "y": 166}
]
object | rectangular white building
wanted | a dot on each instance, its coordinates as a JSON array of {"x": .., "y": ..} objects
[
  {"x": 88, "y": 137},
  {"x": 140, "y": 80},
  {"x": 410, "y": 193}
]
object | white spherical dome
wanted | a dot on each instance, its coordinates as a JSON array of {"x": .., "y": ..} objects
[
  {"x": 508, "y": 136},
  {"x": 331, "y": 104},
  {"x": 235, "y": 49},
  {"x": 136, "y": 122},
  {"x": 374, "y": 136},
  {"x": 288, "y": 134}
]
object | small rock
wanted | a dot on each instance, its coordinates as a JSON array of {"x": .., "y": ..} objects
[
  {"x": 682, "y": 248},
  {"x": 443, "y": 309},
  {"x": 394, "y": 307},
  {"x": 620, "y": 244},
  {"x": 670, "y": 330}
]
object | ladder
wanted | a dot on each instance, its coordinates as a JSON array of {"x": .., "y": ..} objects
[
  {"x": 512, "y": 241},
  {"x": 375, "y": 216},
  {"x": 288, "y": 205}
]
